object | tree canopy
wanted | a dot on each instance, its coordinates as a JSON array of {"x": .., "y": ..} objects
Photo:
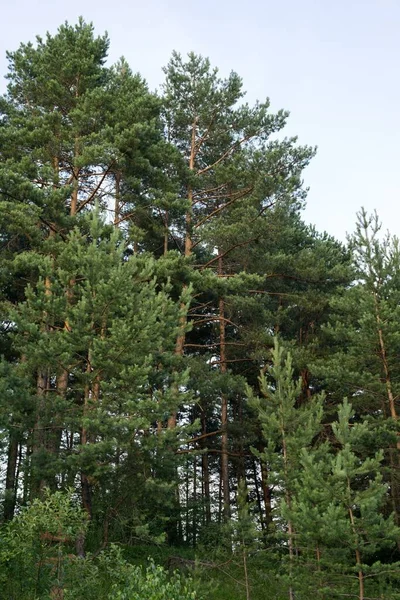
[{"x": 185, "y": 363}]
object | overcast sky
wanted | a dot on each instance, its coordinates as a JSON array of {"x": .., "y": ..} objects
[{"x": 333, "y": 64}]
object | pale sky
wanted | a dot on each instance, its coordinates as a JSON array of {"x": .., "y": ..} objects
[{"x": 333, "y": 64}]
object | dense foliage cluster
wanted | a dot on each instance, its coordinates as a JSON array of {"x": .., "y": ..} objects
[{"x": 184, "y": 362}]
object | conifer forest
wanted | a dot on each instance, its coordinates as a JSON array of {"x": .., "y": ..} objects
[{"x": 199, "y": 392}]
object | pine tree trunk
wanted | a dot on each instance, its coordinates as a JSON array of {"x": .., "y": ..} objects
[
  {"x": 241, "y": 467},
  {"x": 289, "y": 523},
  {"x": 194, "y": 513},
  {"x": 75, "y": 177},
  {"x": 267, "y": 497},
  {"x": 205, "y": 472},
  {"x": 246, "y": 575},
  {"x": 357, "y": 554},
  {"x": 258, "y": 495},
  {"x": 224, "y": 416},
  {"x": 38, "y": 483},
  {"x": 305, "y": 380},
  {"x": 74, "y": 196},
  {"x": 165, "y": 219},
  {"x": 383, "y": 354},
  {"x": 117, "y": 199},
  {"x": 394, "y": 452},
  {"x": 85, "y": 484},
  {"x": 180, "y": 342}
]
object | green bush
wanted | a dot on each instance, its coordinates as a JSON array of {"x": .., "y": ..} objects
[{"x": 38, "y": 561}]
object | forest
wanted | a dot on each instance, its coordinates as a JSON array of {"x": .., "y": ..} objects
[{"x": 199, "y": 392}]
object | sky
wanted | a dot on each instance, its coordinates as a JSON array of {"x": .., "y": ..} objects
[{"x": 333, "y": 64}]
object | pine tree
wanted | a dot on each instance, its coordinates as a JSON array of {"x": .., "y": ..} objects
[
  {"x": 338, "y": 514},
  {"x": 122, "y": 374},
  {"x": 287, "y": 428},
  {"x": 364, "y": 341},
  {"x": 70, "y": 131},
  {"x": 231, "y": 173}
]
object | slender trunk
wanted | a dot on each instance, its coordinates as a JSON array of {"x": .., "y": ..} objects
[
  {"x": 188, "y": 222},
  {"x": 224, "y": 416},
  {"x": 75, "y": 182},
  {"x": 11, "y": 482},
  {"x": 291, "y": 559},
  {"x": 166, "y": 233},
  {"x": 220, "y": 501},
  {"x": 117, "y": 198},
  {"x": 19, "y": 466},
  {"x": 394, "y": 452},
  {"x": 194, "y": 513},
  {"x": 383, "y": 353},
  {"x": 40, "y": 437},
  {"x": 75, "y": 189},
  {"x": 205, "y": 471},
  {"x": 188, "y": 218},
  {"x": 289, "y": 523},
  {"x": 357, "y": 554},
  {"x": 85, "y": 484},
  {"x": 238, "y": 418},
  {"x": 180, "y": 341},
  {"x": 179, "y": 524},
  {"x": 258, "y": 495},
  {"x": 62, "y": 382},
  {"x": 305, "y": 383},
  {"x": 187, "y": 499},
  {"x": 267, "y": 497},
  {"x": 26, "y": 490},
  {"x": 38, "y": 483},
  {"x": 179, "y": 347},
  {"x": 246, "y": 575}
]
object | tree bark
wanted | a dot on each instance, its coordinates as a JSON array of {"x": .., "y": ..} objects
[
  {"x": 224, "y": 417},
  {"x": 205, "y": 471},
  {"x": 267, "y": 497}
]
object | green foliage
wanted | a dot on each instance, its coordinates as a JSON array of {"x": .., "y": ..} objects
[
  {"x": 34, "y": 546},
  {"x": 130, "y": 351},
  {"x": 154, "y": 585},
  {"x": 287, "y": 426},
  {"x": 37, "y": 558}
]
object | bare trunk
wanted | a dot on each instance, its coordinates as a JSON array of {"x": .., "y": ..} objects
[
  {"x": 383, "y": 353},
  {"x": 85, "y": 484},
  {"x": 117, "y": 199},
  {"x": 358, "y": 556},
  {"x": 258, "y": 495},
  {"x": 187, "y": 499},
  {"x": 38, "y": 483},
  {"x": 166, "y": 233},
  {"x": 305, "y": 382},
  {"x": 267, "y": 497},
  {"x": 224, "y": 416},
  {"x": 180, "y": 341},
  {"x": 188, "y": 219},
  {"x": 194, "y": 513},
  {"x": 74, "y": 196},
  {"x": 205, "y": 472}
]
